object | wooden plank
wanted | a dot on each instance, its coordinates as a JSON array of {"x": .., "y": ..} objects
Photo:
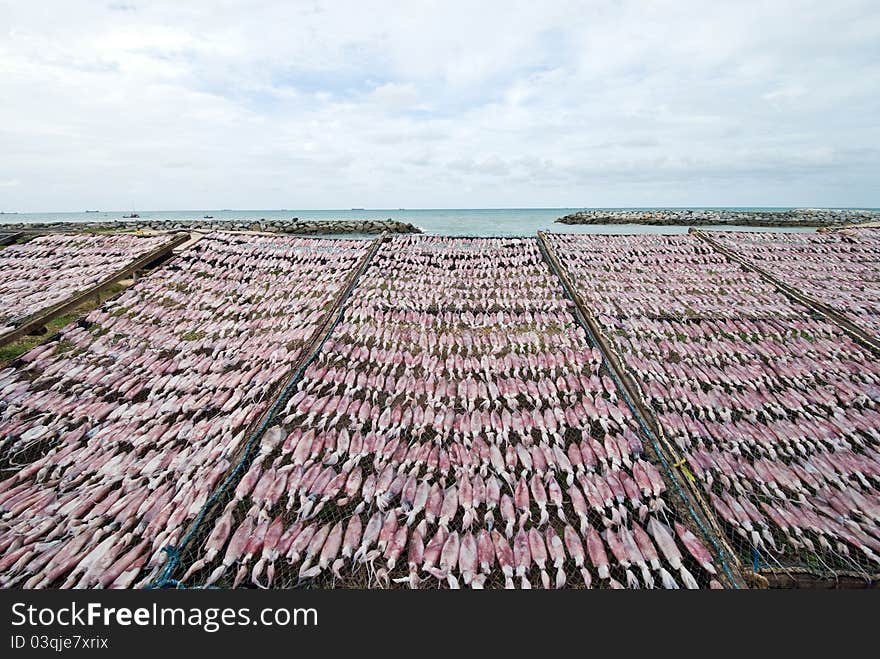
[
  {"x": 44, "y": 316},
  {"x": 801, "y": 578}
]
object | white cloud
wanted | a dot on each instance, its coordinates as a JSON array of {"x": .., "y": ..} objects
[
  {"x": 787, "y": 93},
  {"x": 396, "y": 96},
  {"x": 432, "y": 104}
]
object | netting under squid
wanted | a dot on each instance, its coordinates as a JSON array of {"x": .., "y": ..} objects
[
  {"x": 116, "y": 432},
  {"x": 774, "y": 408},
  {"x": 457, "y": 429},
  {"x": 840, "y": 268}
]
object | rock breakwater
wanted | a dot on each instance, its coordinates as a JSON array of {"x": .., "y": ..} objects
[
  {"x": 798, "y": 217},
  {"x": 294, "y": 226}
]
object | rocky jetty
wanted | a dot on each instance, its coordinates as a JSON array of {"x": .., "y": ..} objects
[
  {"x": 798, "y": 217},
  {"x": 294, "y": 226}
]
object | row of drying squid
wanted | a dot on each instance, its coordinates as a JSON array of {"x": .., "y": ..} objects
[
  {"x": 840, "y": 269},
  {"x": 113, "y": 436},
  {"x": 776, "y": 413},
  {"x": 456, "y": 428},
  {"x": 656, "y": 267},
  {"x": 416, "y": 456},
  {"x": 48, "y": 270}
]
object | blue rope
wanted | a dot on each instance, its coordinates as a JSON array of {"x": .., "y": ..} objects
[{"x": 638, "y": 417}]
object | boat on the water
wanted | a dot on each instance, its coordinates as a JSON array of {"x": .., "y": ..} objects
[
  {"x": 130, "y": 217},
  {"x": 207, "y": 217}
]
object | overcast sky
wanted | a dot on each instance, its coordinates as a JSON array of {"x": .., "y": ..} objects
[{"x": 260, "y": 105}]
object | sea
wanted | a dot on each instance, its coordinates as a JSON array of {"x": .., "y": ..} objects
[{"x": 443, "y": 222}]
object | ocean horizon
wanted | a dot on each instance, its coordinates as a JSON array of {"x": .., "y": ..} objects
[{"x": 432, "y": 221}]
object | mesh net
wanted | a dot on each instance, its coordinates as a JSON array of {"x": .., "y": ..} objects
[
  {"x": 120, "y": 428},
  {"x": 773, "y": 407},
  {"x": 840, "y": 269},
  {"x": 44, "y": 272},
  {"x": 453, "y": 397}
]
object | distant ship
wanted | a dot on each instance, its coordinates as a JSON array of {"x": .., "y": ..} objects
[
  {"x": 130, "y": 217},
  {"x": 93, "y": 211},
  {"x": 357, "y": 209},
  {"x": 207, "y": 217}
]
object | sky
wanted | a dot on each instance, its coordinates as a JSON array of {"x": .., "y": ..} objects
[{"x": 131, "y": 104}]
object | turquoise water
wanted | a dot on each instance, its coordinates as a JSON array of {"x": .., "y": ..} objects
[{"x": 448, "y": 222}]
